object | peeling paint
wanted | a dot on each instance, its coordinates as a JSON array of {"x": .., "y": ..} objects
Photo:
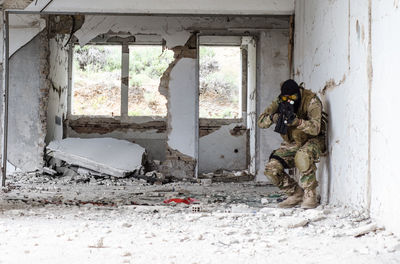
[
  {"x": 341, "y": 81},
  {"x": 238, "y": 131},
  {"x": 169, "y": 29},
  {"x": 62, "y": 24},
  {"x": 331, "y": 84},
  {"x": 58, "y": 77}
]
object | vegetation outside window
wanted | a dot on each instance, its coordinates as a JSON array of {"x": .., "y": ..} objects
[
  {"x": 220, "y": 82},
  {"x": 146, "y": 66},
  {"x": 96, "y": 88}
]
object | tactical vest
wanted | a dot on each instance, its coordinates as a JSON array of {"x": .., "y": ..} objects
[{"x": 296, "y": 135}]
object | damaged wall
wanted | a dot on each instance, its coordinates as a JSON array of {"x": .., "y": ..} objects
[
  {"x": 27, "y": 104},
  {"x": 147, "y": 132},
  {"x": 273, "y": 69},
  {"x": 178, "y": 133},
  {"x": 57, "y": 106},
  {"x": 353, "y": 64},
  {"x": 331, "y": 58},
  {"x": 230, "y": 155},
  {"x": 175, "y": 138},
  {"x": 181, "y": 91}
]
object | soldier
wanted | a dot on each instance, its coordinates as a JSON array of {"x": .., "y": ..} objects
[{"x": 302, "y": 145}]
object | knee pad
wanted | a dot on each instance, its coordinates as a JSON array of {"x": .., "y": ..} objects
[
  {"x": 272, "y": 170},
  {"x": 303, "y": 161}
]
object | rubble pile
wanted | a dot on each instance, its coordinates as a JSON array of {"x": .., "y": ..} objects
[
  {"x": 110, "y": 156},
  {"x": 75, "y": 188},
  {"x": 100, "y": 160}
]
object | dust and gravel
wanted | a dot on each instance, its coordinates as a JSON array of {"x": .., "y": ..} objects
[{"x": 46, "y": 219}]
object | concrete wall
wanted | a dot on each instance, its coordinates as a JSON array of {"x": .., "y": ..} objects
[
  {"x": 353, "y": 64},
  {"x": 273, "y": 69},
  {"x": 26, "y": 132},
  {"x": 57, "y": 105},
  {"x": 179, "y": 131},
  {"x": 182, "y": 108},
  {"x": 224, "y": 149},
  {"x": 331, "y": 58},
  {"x": 156, "y": 135},
  {"x": 385, "y": 180}
]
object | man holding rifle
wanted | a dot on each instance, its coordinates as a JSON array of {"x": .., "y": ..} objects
[{"x": 297, "y": 113}]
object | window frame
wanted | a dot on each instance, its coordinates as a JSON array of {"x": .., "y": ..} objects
[
  {"x": 124, "y": 86},
  {"x": 144, "y": 40},
  {"x": 226, "y": 41}
]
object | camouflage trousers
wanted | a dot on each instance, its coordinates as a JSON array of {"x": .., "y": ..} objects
[{"x": 290, "y": 155}]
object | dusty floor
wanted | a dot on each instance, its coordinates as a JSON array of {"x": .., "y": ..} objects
[{"x": 47, "y": 220}]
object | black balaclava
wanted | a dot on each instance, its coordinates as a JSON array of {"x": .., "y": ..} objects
[{"x": 290, "y": 87}]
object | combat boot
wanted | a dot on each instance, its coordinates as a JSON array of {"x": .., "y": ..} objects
[
  {"x": 293, "y": 199},
  {"x": 310, "y": 199}
]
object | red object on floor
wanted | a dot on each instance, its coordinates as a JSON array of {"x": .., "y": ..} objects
[{"x": 178, "y": 200}]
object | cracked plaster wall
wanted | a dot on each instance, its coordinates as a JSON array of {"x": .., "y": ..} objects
[
  {"x": 330, "y": 56},
  {"x": 181, "y": 125},
  {"x": 57, "y": 106},
  {"x": 353, "y": 64}
]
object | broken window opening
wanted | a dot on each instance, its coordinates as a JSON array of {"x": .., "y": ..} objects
[
  {"x": 220, "y": 82},
  {"x": 96, "y": 87},
  {"x": 147, "y": 63}
]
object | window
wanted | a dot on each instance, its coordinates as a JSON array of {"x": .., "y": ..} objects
[
  {"x": 220, "y": 82},
  {"x": 97, "y": 71},
  {"x": 98, "y": 88},
  {"x": 146, "y": 66},
  {"x": 97, "y": 80}
]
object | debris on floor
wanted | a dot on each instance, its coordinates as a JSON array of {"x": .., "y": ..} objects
[
  {"x": 179, "y": 200},
  {"x": 227, "y": 176},
  {"x": 125, "y": 220},
  {"x": 110, "y": 156},
  {"x": 79, "y": 186}
]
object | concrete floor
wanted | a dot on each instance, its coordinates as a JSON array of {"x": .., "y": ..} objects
[{"x": 60, "y": 220}]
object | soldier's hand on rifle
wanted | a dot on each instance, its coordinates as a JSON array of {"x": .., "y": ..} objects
[
  {"x": 295, "y": 123},
  {"x": 274, "y": 118}
]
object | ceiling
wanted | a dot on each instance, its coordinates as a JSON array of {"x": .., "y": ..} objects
[{"x": 229, "y": 7}]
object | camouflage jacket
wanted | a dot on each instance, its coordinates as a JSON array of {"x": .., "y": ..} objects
[{"x": 310, "y": 113}]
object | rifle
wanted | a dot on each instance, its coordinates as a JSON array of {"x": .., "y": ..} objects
[{"x": 286, "y": 116}]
